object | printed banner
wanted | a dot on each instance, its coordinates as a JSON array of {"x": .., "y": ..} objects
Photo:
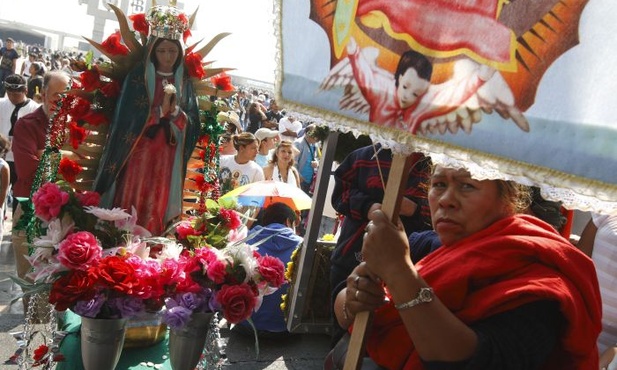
[{"x": 510, "y": 89}]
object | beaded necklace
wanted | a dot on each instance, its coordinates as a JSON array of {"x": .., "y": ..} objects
[{"x": 280, "y": 177}]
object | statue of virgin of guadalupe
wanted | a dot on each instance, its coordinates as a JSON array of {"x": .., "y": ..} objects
[{"x": 154, "y": 129}]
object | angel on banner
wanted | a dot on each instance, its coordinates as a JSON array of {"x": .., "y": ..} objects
[{"x": 409, "y": 101}]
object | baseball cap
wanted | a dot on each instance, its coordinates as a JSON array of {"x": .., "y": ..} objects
[
  {"x": 263, "y": 133},
  {"x": 10, "y": 39},
  {"x": 15, "y": 82}
]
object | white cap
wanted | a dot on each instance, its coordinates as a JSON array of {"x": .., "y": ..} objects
[{"x": 263, "y": 133}]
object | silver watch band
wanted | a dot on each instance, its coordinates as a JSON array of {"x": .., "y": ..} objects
[{"x": 425, "y": 295}]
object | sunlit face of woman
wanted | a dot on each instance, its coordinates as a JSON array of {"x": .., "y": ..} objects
[
  {"x": 249, "y": 151},
  {"x": 461, "y": 206},
  {"x": 166, "y": 53},
  {"x": 284, "y": 154}
]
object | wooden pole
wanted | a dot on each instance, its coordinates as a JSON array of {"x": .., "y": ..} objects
[{"x": 396, "y": 184}]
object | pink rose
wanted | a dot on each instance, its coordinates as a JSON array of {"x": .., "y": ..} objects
[
  {"x": 216, "y": 271},
  {"x": 272, "y": 270},
  {"x": 48, "y": 201},
  {"x": 205, "y": 255},
  {"x": 89, "y": 198},
  {"x": 79, "y": 251},
  {"x": 238, "y": 302},
  {"x": 184, "y": 229}
]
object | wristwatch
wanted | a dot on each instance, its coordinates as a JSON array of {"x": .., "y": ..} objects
[{"x": 425, "y": 295}]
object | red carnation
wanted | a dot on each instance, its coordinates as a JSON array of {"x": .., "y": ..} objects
[
  {"x": 111, "y": 89},
  {"x": 113, "y": 46},
  {"x": 223, "y": 82},
  {"x": 91, "y": 79},
  {"x": 272, "y": 270},
  {"x": 140, "y": 24},
  {"x": 69, "y": 169},
  {"x": 194, "y": 66},
  {"x": 77, "y": 134}
]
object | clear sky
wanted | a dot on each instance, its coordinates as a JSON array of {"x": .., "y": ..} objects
[{"x": 250, "y": 48}]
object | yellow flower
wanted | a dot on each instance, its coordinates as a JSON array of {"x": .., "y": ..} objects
[{"x": 289, "y": 270}]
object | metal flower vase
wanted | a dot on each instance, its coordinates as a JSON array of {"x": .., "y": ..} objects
[
  {"x": 187, "y": 344},
  {"x": 101, "y": 342}
]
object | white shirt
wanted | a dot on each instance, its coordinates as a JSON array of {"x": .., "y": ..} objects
[
  {"x": 232, "y": 174},
  {"x": 604, "y": 256},
  {"x": 6, "y": 110},
  {"x": 291, "y": 178},
  {"x": 286, "y": 124}
]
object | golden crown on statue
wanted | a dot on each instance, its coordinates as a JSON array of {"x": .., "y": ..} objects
[{"x": 167, "y": 22}]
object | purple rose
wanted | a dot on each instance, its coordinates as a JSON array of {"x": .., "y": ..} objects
[
  {"x": 90, "y": 308},
  {"x": 192, "y": 301},
  {"x": 176, "y": 317},
  {"x": 127, "y": 306}
]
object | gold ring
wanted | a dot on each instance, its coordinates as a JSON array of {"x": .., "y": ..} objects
[
  {"x": 357, "y": 292},
  {"x": 357, "y": 281}
]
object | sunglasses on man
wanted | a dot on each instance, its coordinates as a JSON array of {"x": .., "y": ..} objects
[{"x": 10, "y": 86}]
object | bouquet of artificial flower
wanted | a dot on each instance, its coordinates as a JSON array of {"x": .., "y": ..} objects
[
  {"x": 231, "y": 280},
  {"x": 216, "y": 227},
  {"x": 92, "y": 260}
]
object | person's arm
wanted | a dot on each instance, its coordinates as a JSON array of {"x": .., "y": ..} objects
[
  {"x": 608, "y": 357},
  {"x": 588, "y": 236},
  {"x": 363, "y": 73},
  {"x": 284, "y": 129}
]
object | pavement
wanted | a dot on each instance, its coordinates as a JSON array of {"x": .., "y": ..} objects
[{"x": 300, "y": 351}]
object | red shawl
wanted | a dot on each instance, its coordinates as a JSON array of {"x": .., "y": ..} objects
[{"x": 515, "y": 261}]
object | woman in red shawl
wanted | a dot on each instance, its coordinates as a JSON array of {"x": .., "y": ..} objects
[{"x": 504, "y": 291}]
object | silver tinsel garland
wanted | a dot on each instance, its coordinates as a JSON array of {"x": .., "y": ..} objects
[{"x": 213, "y": 357}]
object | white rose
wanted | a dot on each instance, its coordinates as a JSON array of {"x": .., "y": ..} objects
[{"x": 169, "y": 89}]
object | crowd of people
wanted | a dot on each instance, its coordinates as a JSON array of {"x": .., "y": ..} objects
[{"x": 473, "y": 275}]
